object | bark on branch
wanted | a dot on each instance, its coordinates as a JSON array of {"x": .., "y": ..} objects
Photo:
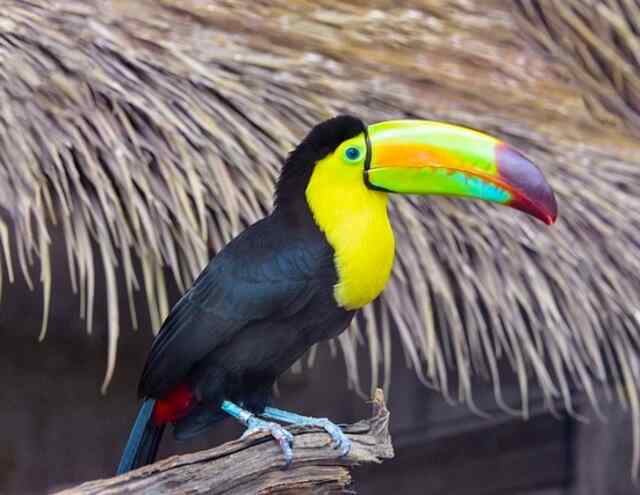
[{"x": 255, "y": 465}]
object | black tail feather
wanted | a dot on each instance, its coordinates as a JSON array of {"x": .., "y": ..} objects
[
  {"x": 199, "y": 419},
  {"x": 144, "y": 440}
]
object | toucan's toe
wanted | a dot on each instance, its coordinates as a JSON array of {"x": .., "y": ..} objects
[
  {"x": 278, "y": 432},
  {"x": 339, "y": 439}
]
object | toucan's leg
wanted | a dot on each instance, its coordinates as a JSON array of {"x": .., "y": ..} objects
[
  {"x": 340, "y": 440},
  {"x": 254, "y": 424}
]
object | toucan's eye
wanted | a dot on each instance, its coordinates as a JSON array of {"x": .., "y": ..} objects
[{"x": 352, "y": 153}]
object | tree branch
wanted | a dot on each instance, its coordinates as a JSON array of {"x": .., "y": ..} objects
[{"x": 255, "y": 465}]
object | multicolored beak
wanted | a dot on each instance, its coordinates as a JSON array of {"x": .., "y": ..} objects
[{"x": 424, "y": 157}]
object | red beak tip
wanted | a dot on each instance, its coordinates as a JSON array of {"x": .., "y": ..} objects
[
  {"x": 551, "y": 215},
  {"x": 534, "y": 194}
]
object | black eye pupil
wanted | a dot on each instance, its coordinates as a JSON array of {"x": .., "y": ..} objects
[{"x": 353, "y": 153}]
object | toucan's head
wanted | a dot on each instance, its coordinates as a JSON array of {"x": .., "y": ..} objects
[{"x": 416, "y": 157}]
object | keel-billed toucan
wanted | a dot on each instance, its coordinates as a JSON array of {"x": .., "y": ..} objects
[{"x": 299, "y": 275}]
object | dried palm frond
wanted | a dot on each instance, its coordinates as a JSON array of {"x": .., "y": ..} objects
[
  {"x": 152, "y": 130},
  {"x": 598, "y": 43}
]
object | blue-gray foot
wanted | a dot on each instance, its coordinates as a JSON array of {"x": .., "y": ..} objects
[
  {"x": 282, "y": 436},
  {"x": 255, "y": 424},
  {"x": 340, "y": 440}
]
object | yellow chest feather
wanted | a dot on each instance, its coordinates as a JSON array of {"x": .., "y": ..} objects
[{"x": 355, "y": 222}]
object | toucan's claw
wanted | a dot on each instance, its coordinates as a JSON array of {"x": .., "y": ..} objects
[
  {"x": 339, "y": 439},
  {"x": 279, "y": 433}
]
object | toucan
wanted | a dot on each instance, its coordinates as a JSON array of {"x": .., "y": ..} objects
[{"x": 299, "y": 275}]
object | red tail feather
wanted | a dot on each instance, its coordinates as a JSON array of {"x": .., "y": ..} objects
[{"x": 174, "y": 406}]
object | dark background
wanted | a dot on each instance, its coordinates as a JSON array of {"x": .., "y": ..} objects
[{"x": 58, "y": 430}]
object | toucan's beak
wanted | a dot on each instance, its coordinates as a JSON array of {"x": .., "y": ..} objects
[{"x": 424, "y": 157}]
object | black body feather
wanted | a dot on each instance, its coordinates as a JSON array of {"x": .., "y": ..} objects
[{"x": 261, "y": 302}]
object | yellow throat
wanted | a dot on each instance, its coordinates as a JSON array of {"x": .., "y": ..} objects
[{"x": 355, "y": 222}]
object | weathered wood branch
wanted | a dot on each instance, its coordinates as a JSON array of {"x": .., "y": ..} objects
[{"x": 255, "y": 465}]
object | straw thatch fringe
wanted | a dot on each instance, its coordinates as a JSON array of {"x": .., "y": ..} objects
[
  {"x": 598, "y": 43},
  {"x": 150, "y": 131}
]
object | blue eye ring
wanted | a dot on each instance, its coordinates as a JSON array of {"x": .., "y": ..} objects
[{"x": 352, "y": 154}]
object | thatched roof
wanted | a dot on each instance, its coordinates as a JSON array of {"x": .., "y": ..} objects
[
  {"x": 597, "y": 43},
  {"x": 150, "y": 130}
]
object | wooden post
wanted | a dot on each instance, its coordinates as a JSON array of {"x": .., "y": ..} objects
[{"x": 255, "y": 465}]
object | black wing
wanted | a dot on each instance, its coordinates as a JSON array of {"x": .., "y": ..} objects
[{"x": 260, "y": 274}]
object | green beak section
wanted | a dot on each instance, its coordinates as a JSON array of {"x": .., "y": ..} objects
[{"x": 433, "y": 158}]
